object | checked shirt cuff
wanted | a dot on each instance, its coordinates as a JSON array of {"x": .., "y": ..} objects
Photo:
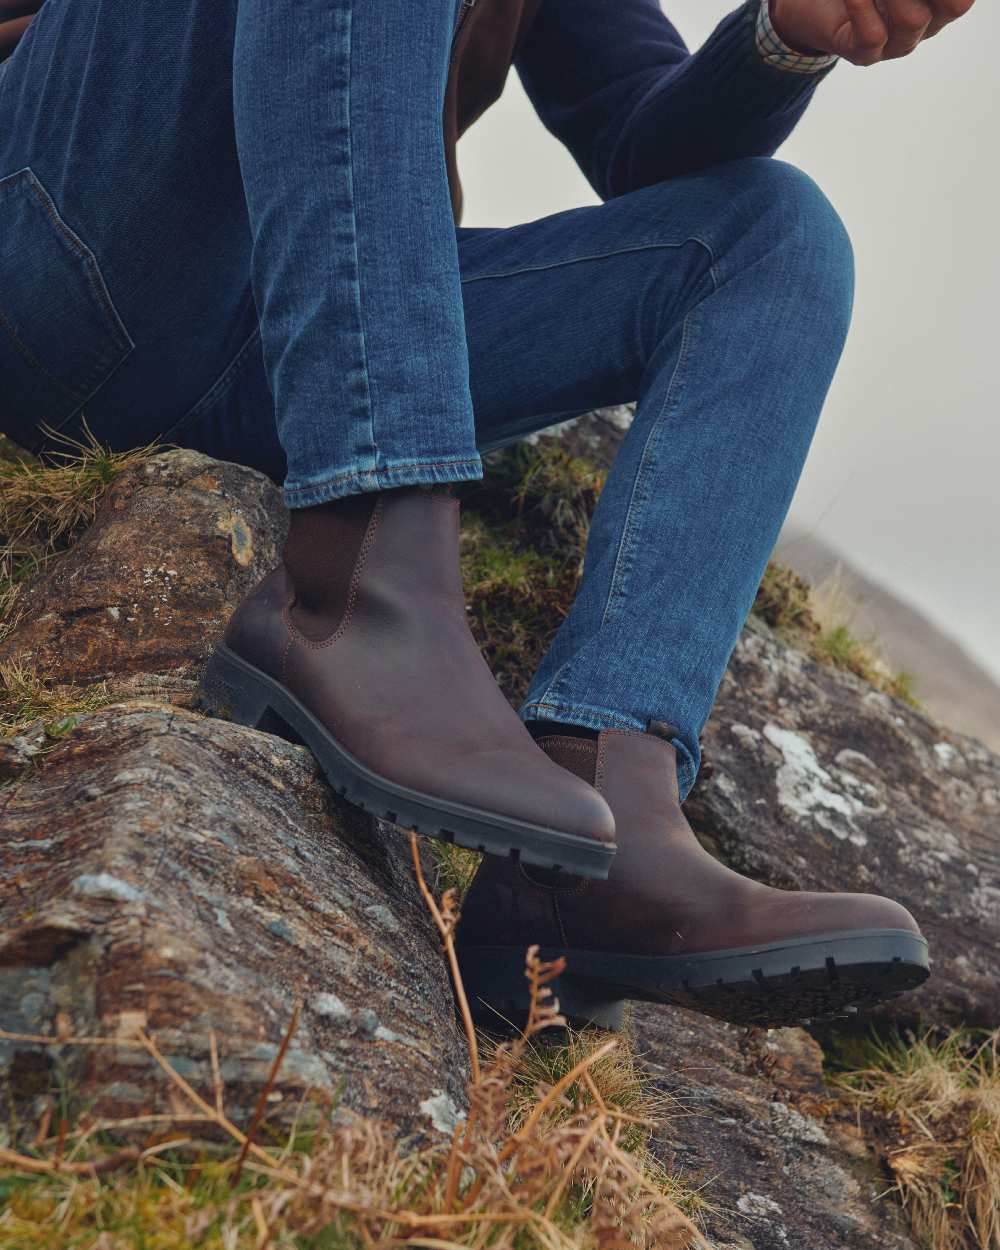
[{"x": 777, "y": 53}]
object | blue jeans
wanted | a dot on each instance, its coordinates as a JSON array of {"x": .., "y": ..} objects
[{"x": 247, "y": 247}]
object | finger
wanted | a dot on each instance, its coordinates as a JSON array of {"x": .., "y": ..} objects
[
  {"x": 10, "y": 34},
  {"x": 908, "y": 20},
  {"x": 944, "y": 13},
  {"x": 863, "y": 40}
]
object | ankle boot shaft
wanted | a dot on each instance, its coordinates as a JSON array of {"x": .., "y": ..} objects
[
  {"x": 322, "y": 550},
  {"x": 415, "y": 528}
]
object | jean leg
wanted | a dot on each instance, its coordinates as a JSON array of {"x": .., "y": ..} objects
[
  {"x": 338, "y": 108},
  {"x": 697, "y": 496},
  {"x": 195, "y": 146},
  {"x": 730, "y": 360}
]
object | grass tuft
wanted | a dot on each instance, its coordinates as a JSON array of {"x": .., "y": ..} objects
[
  {"x": 817, "y": 620},
  {"x": 614, "y": 1081},
  {"x": 26, "y": 699},
  {"x": 835, "y": 643},
  {"x": 784, "y": 602},
  {"x": 553, "y": 494},
  {"x": 933, "y": 1110},
  {"x": 454, "y": 867},
  {"x": 45, "y": 503}
]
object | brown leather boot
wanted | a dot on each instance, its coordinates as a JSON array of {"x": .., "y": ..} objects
[
  {"x": 359, "y": 647},
  {"x": 672, "y": 924}
]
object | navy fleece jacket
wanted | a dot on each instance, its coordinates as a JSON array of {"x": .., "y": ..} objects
[{"x": 615, "y": 82}]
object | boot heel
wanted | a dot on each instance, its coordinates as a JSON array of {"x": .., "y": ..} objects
[
  {"x": 229, "y": 694},
  {"x": 499, "y": 999}
]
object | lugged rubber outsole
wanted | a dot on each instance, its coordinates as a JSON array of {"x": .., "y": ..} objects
[
  {"x": 783, "y": 983},
  {"x": 234, "y": 690}
]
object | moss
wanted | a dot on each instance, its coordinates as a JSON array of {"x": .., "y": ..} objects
[
  {"x": 516, "y": 598},
  {"x": 552, "y": 494}
]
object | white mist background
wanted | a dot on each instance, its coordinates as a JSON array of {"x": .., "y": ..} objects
[{"x": 903, "y": 478}]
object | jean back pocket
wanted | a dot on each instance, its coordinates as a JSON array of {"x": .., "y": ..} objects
[{"x": 61, "y": 336}]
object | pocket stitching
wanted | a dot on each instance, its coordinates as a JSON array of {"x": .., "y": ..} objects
[{"x": 121, "y": 344}]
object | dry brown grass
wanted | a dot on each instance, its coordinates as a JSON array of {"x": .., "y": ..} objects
[
  {"x": 45, "y": 503},
  {"x": 933, "y": 1111},
  {"x": 819, "y": 620},
  {"x": 26, "y": 699},
  {"x": 545, "y": 1159}
]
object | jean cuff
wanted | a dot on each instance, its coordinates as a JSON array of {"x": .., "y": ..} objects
[
  {"x": 307, "y": 494},
  {"x": 598, "y": 719}
]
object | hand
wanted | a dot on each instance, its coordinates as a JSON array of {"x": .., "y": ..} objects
[
  {"x": 15, "y": 17},
  {"x": 863, "y": 32}
]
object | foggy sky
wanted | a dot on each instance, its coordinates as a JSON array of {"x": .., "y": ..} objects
[{"x": 903, "y": 474}]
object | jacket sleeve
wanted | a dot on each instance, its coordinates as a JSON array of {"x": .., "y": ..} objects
[{"x": 614, "y": 81}]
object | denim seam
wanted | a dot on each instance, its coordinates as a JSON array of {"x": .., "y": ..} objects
[
  {"x": 578, "y": 260},
  {"x": 563, "y": 709},
  {"x": 356, "y": 256},
  {"x": 386, "y": 470},
  {"x": 91, "y": 268},
  {"x": 619, "y": 574},
  {"x": 623, "y": 559},
  {"x": 25, "y": 182},
  {"x": 558, "y": 680}
]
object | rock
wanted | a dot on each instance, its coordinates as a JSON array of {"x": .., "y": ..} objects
[
  {"x": 781, "y": 1161},
  {"x": 17, "y": 754},
  {"x": 180, "y": 875},
  {"x": 143, "y": 594},
  {"x": 813, "y": 780}
]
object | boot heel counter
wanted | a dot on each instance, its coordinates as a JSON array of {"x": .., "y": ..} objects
[
  {"x": 256, "y": 631},
  {"x": 503, "y": 907}
]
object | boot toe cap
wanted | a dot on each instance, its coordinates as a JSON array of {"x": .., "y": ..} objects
[
  {"x": 583, "y": 811},
  {"x": 840, "y": 912}
]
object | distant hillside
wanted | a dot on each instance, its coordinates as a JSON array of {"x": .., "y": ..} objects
[{"x": 955, "y": 688}]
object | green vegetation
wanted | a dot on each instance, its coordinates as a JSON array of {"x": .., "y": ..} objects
[
  {"x": 454, "y": 866},
  {"x": 516, "y": 597}
]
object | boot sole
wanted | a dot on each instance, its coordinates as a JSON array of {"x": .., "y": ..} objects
[
  {"x": 231, "y": 689},
  {"x": 784, "y": 983}
]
